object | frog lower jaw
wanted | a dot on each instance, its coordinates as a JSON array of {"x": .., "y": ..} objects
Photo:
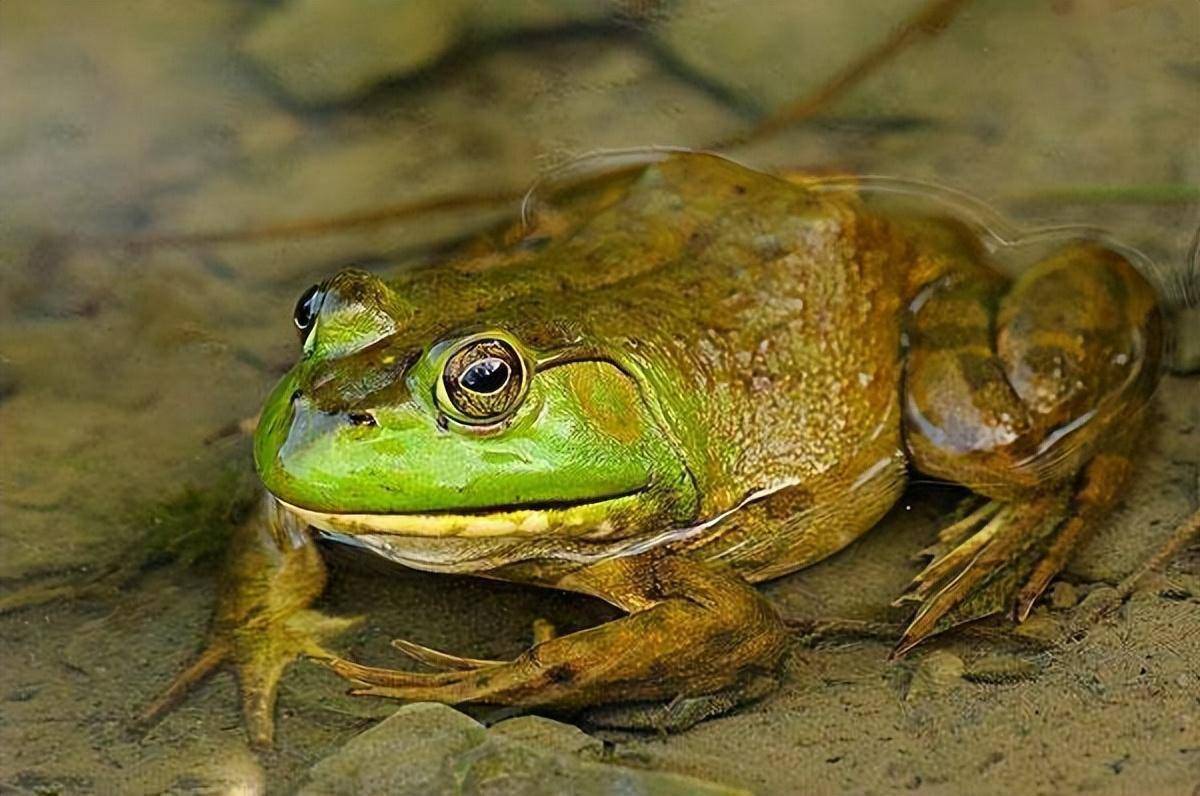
[{"x": 591, "y": 519}]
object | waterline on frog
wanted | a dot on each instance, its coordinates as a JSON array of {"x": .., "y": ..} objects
[{"x": 473, "y": 553}]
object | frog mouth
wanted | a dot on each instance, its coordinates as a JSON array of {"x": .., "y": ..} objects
[{"x": 591, "y": 518}]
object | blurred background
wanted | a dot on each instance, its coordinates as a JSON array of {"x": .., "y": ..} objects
[{"x": 173, "y": 175}]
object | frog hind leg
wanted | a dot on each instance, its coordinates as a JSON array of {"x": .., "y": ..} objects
[
  {"x": 1032, "y": 396},
  {"x": 701, "y": 639},
  {"x": 262, "y": 621}
]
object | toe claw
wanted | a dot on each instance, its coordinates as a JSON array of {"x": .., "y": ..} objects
[
  {"x": 371, "y": 675},
  {"x": 440, "y": 660}
]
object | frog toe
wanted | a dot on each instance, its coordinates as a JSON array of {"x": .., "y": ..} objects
[
  {"x": 990, "y": 558},
  {"x": 683, "y": 712},
  {"x": 371, "y": 676},
  {"x": 435, "y": 659},
  {"x": 262, "y": 654},
  {"x": 259, "y": 654},
  {"x": 259, "y": 680},
  {"x": 309, "y": 630},
  {"x": 448, "y": 687},
  {"x": 543, "y": 630}
]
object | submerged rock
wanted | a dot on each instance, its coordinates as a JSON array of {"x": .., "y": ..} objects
[
  {"x": 547, "y": 734},
  {"x": 938, "y": 672},
  {"x": 1063, "y": 595},
  {"x": 429, "y": 748},
  {"x": 998, "y": 669},
  {"x": 323, "y": 51}
]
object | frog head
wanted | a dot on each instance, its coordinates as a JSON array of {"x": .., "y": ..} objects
[{"x": 422, "y": 415}]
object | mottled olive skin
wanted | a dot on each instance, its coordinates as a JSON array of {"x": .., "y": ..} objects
[
  {"x": 721, "y": 376},
  {"x": 750, "y": 326}
]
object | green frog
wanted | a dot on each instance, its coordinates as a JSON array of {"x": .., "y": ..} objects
[{"x": 675, "y": 377}]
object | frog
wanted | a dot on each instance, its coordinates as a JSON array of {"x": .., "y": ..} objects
[{"x": 675, "y": 377}]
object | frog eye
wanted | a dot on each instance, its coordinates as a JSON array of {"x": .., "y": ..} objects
[
  {"x": 482, "y": 382},
  {"x": 307, "y": 309}
]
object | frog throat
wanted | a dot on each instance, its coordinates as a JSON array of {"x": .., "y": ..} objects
[{"x": 386, "y": 533}]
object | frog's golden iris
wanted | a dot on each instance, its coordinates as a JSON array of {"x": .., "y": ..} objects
[{"x": 483, "y": 380}]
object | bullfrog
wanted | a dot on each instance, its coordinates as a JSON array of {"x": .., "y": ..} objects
[{"x": 672, "y": 378}]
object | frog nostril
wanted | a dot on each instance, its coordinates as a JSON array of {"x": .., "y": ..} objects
[{"x": 361, "y": 419}]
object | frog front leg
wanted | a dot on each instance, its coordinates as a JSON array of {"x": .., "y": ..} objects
[
  {"x": 692, "y": 635},
  {"x": 1033, "y": 396},
  {"x": 262, "y": 621}
]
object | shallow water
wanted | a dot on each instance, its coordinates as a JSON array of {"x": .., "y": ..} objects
[{"x": 131, "y": 354}]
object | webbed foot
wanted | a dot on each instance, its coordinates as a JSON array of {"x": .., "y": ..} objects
[
  {"x": 259, "y": 654},
  {"x": 1002, "y": 556},
  {"x": 262, "y": 621}
]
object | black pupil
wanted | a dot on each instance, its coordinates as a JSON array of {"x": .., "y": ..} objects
[
  {"x": 306, "y": 310},
  {"x": 486, "y": 376}
]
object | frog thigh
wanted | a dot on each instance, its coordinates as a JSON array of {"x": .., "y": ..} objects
[
  {"x": 1008, "y": 391},
  {"x": 1040, "y": 415}
]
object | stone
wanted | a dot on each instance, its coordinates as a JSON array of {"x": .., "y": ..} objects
[
  {"x": 1063, "y": 595},
  {"x": 1099, "y": 603},
  {"x": 548, "y": 734},
  {"x": 429, "y": 748},
  {"x": 408, "y": 752},
  {"x": 938, "y": 672},
  {"x": 325, "y": 51},
  {"x": 1041, "y": 628},
  {"x": 999, "y": 668},
  {"x": 298, "y": 48}
]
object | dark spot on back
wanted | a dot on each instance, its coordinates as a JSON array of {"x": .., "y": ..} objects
[
  {"x": 533, "y": 243},
  {"x": 946, "y": 336},
  {"x": 725, "y": 640},
  {"x": 977, "y": 371},
  {"x": 562, "y": 673},
  {"x": 787, "y": 504}
]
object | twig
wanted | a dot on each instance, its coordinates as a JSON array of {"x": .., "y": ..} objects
[
  {"x": 930, "y": 20},
  {"x": 1188, "y": 530},
  {"x": 311, "y": 227},
  {"x": 1184, "y": 534}
]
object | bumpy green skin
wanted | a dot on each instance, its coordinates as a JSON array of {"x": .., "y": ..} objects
[{"x": 728, "y": 376}]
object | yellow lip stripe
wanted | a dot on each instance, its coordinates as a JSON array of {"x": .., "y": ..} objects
[{"x": 586, "y": 519}]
